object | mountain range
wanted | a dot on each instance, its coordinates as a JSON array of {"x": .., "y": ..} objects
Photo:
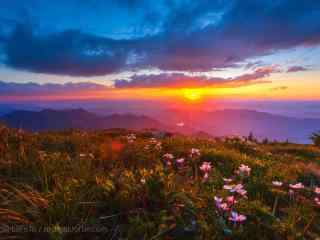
[
  {"x": 49, "y": 119},
  {"x": 215, "y": 123}
]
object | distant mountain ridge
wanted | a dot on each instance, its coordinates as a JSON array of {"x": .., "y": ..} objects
[
  {"x": 199, "y": 123},
  {"x": 49, "y": 119},
  {"x": 243, "y": 122}
]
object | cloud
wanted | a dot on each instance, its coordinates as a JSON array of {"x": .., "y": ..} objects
[
  {"x": 191, "y": 36},
  {"x": 296, "y": 69},
  {"x": 179, "y": 80},
  {"x": 30, "y": 89},
  {"x": 281, "y": 88}
]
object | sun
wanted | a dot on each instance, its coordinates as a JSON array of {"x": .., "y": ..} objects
[{"x": 192, "y": 94}]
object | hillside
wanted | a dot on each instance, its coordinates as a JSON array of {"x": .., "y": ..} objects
[
  {"x": 49, "y": 119},
  {"x": 119, "y": 184}
]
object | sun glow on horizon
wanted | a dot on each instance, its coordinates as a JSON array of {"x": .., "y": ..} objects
[{"x": 192, "y": 94}]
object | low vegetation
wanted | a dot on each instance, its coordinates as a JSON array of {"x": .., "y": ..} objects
[{"x": 116, "y": 184}]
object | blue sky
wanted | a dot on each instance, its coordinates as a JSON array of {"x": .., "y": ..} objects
[{"x": 140, "y": 43}]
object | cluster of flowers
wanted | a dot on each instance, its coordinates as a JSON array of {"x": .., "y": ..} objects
[
  {"x": 236, "y": 190},
  {"x": 168, "y": 157},
  {"x": 298, "y": 186}
]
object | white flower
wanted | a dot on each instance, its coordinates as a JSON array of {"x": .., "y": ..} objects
[
  {"x": 194, "y": 152},
  {"x": 296, "y": 186},
  {"x": 277, "y": 183},
  {"x": 227, "y": 180}
]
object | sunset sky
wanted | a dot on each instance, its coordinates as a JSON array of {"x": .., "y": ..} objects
[{"x": 179, "y": 49}]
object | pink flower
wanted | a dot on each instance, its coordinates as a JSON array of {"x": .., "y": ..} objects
[
  {"x": 244, "y": 169},
  {"x": 223, "y": 206},
  {"x": 205, "y": 167},
  {"x": 220, "y": 204},
  {"x": 296, "y": 186},
  {"x": 180, "y": 160},
  {"x": 235, "y": 217},
  {"x": 277, "y": 183},
  {"x": 231, "y": 200},
  {"x": 317, "y": 201},
  {"x": 236, "y": 188},
  {"x": 317, "y": 190},
  {"x": 194, "y": 152}
]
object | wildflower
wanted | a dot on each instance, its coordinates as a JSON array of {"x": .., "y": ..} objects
[
  {"x": 180, "y": 160},
  {"x": 158, "y": 146},
  {"x": 296, "y": 186},
  {"x": 244, "y": 170},
  {"x": 228, "y": 187},
  {"x": 231, "y": 200},
  {"x": 168, "y": 156},
  {"x": 220, "y": 204},
  {"x": 227, "y": 180},
  {"x": 223, "y": 206},
  {"x": 277, "y": 183},
  {"x": 235, "y": 217},
  {"x": 205, "y": 167},
  {"x": 131, "y": 138},
  {"x": 218, "y": 199},
  {"x": 236, "y": 188},
  {"x": 194, "y": 152},
  {"x": 317, "y": 201},
  {"x": 317, "y": 190}
]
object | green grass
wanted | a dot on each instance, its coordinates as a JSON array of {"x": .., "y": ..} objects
[{"x": 107, "y": 188}]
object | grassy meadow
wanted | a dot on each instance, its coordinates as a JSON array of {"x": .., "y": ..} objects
[{"x": 116, "y": 184}]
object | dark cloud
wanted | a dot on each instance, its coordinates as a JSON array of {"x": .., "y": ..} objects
[
  {"x": 192, "y": 36},
  {"x": 178, "y": 80},
  {"x": 30, "y": 89},
  {"x": 296, "y": 69}
]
